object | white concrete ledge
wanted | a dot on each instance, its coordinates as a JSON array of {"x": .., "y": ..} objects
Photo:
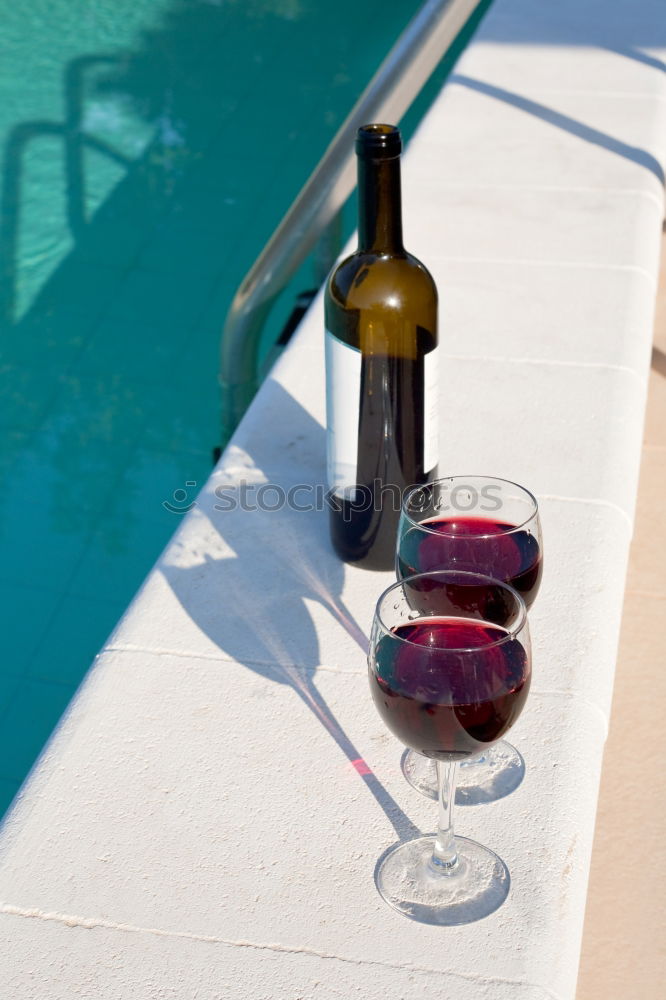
[{"x": 207, "y": 818}]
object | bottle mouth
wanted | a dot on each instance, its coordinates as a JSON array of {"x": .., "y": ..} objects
[{"x": 378, "y": 141}]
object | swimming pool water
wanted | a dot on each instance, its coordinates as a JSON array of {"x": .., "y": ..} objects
[{"x": 150, "y": 147}]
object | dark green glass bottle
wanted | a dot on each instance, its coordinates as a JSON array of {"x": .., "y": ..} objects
[{"x": 381, "y": 366}]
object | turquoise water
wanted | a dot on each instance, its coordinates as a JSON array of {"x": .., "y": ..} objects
[{"x": 149, "y": 149}]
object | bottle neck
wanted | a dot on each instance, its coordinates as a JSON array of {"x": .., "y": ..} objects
[{"x": 380, "y": 213}]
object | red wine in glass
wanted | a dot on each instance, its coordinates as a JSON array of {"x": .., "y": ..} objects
[
  {"x": 477, "y": 544},
  {"x": 452, "y": 687},
  {"x": 448, "y": 684}
]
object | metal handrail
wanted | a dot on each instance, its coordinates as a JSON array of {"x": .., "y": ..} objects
[{"x": 392, "y": 89}]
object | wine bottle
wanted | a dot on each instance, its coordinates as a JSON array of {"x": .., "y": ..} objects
[{"x": 381, "y": 366}]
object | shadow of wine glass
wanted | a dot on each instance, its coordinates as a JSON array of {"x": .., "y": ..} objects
[{"x": 263, "y": 569}]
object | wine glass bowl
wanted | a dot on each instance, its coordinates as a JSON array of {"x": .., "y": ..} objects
[
  {"x": 447, "y": 683},
  {"x": 446, "y": 680},
  {"x": 479, "y": 524}
]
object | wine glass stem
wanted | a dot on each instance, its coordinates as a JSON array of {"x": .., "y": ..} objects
[{"x": 444, "y": 856}]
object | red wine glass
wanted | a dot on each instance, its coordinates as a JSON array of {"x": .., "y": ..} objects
[
  {"x": 449, "y": 668},
  {"x": 485, "y": 525}
]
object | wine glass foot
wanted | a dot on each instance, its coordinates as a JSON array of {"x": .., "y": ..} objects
[
  {"x": 474, "y": 889},
  {"x": 491, "y": 776}
]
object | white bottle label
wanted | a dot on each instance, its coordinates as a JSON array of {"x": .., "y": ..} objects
[
  {"x": 343, "y": 396},
  {"x": 431, "y": 409}
]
